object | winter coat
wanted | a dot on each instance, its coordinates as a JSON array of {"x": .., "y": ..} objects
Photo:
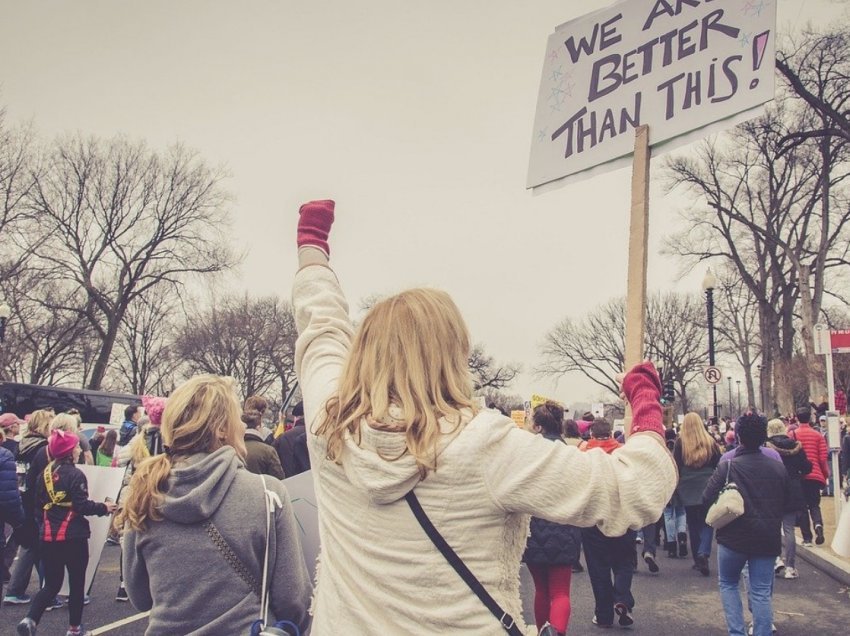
[
  {"x": 552, "y": 543},
  {"x": 291, "y": 448},
  {"x": 261, "y": 458},
  {"x": 64, "y": 511},
  {"x": 692, "y": 480},
  {"x": 379, "y": 572},
  {"x": 181, "y": 568},
  {"x": 764, "y": 486},
  {"x": 796, "y": 464},
  {"x": 816, "y": 452},
  {"x": 31, "y": 444},
  {"x": 127, "y": 432},
  {"x": 11, "y": 511}
]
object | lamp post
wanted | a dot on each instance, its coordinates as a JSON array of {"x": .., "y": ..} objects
[
  {"x": 761, "y": 392},
  {"x": 708, "y": 284},
  {"x": 5, "y": 312},
  {"x": 729, "y": 408},
  {"x": 739, "y": 396}
]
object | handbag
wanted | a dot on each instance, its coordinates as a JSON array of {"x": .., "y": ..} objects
[
  {"x": 505, "y": 619},
  {"x": 729, "y": 505}
]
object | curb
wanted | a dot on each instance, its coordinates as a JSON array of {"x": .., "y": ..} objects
[{"x": 826, "y": 562}]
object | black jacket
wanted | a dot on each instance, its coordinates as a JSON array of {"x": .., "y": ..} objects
[
  {"x": 62, "y": 522},
  {"x": 764, "y": 486},
  {"x": 10, "y": 498},
  {"x": 291, "y": 448},
  {"x": 796, "y": 463},
  {"x": 552, "y": 543}
]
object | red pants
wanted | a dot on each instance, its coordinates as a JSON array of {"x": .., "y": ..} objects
[{"x": 552, "y": 595}]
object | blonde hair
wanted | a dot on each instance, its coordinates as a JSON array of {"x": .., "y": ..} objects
[
  {"x": 776, "y": 427},
  {"x": 39, "y": 422},
  {"x": 697, "y": 445},
  {"x": 64, "y": 422},
  {"x": 201, "y": 416},
  {"x": 411, "y": 352}
]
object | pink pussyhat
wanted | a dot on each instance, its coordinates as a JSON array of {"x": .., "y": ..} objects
[{"x": 61, "y": 444}]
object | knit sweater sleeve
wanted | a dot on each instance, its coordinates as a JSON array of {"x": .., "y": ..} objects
[
  {"x": 324, "y": 335},
  {"x": 626, "y": 489}
]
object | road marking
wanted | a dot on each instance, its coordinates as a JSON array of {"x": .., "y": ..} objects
[{"x": 121, "y": 623}]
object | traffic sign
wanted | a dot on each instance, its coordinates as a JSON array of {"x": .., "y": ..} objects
[{"x": 712, "y": 375}]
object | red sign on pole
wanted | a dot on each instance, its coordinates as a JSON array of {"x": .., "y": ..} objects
[{"x": 840, "y": 340}]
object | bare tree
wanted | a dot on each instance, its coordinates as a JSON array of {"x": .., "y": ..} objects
[
  {"x": 487, "y": 373},
  {"x": 251, "y": 340},
  {"x": 16, "y": 169},
  {"x": 120, "y": 220},
  {"x": 594, "y": 346}
]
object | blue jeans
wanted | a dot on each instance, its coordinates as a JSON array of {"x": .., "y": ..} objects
[
  {"x": 701, "y": 533},
  {"x": 674, "y": 522},
  {"x": 729, "y": 566}
]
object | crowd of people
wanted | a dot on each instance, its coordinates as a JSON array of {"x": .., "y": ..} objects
[{"x": 428, "y": 503}]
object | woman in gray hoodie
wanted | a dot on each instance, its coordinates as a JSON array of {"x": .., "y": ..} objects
[{"x": 195, "y": 525}]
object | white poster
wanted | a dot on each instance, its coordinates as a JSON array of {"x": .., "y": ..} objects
[
  {"x": 674, "y": 65},
  {"x": 303, "y": 497},
  {"x": 103, "y": 482}
]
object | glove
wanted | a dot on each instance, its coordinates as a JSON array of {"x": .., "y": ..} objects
[
  {"x": 314, "y": 224},
  {"x": 642, "y": 388}
]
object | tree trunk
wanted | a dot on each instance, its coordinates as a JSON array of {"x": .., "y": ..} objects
[{"x": 101, "y": 363}]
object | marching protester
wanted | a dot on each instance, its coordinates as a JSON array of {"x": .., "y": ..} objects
[
  {"x": 291, "y": 446},
  {"x": 11, "y": 511},
  {"x": 552, "y": 549},
  {"x": 106, "y": 449},
  {"x": 402, "y": 453},
  {"x": 260, "y": 457},
  {"x": 754, "y": 538},
  {"x": 798, "y": 466},
  {"x": 62, "y": 494},
  {"x": 696, "y": 455},
  {"x": 816, "y": 452},
  {"x": 128, "y": 429},
  {"x": 35, "y": 439},
  {"x": 186, "y": 540}
]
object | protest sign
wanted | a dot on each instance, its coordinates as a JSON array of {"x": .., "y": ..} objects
[
  {"x": 302, "y": 494},
  {"x": 677, "y": 66},
  {"x": 103, "y": 482},
  {"x": 518, "y": 417}
]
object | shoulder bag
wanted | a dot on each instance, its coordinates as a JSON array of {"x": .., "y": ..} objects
[
  {"x": 505, "y": 619},
  {"x": 729, "y": 505}
]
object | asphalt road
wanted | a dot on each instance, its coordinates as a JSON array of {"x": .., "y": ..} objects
[{"x": 674, "y": 602}]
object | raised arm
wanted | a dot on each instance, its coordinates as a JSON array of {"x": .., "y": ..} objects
[{"x": 321, "y": 311}]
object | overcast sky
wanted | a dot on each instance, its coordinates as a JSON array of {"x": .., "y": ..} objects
[{"x": 415, "y": 116}]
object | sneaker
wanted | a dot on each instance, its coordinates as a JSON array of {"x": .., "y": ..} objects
[
  {"x": 624, "y": 615},
  {"x": 122, "y": 594},
  {"x": 11, "y": 599},
  {"x": 702, "y": 564},
  {"x": 77, "y": 631},
  {"x": 26, "y": 627},
  {"x": 578, "y": 568},
  {"x": 112, "y": 541},
  {"x": 807, "y": 544},
  {"x": 750, "y": 629},
  {"x": 649, "y": 559},
  {"x": 791, "y": 573},
  {"x": 64, "y": 599},
  {"x": 56, "y": 603},
  {"x": 594, "y": 621},
  {"x": 683, "y": 544},
  {"x": 779, "y": 567},
  {"x": 819, "y": 534},
  {"x": 638, "y": 540}
]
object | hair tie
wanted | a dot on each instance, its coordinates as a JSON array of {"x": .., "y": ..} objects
[{"x": 167, "y": 450}]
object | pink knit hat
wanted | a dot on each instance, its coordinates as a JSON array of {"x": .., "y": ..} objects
[
  {"x": 61, "y": 443},
  {"x": 8, "y": 420},
  {"x": 154, "y": 406}
]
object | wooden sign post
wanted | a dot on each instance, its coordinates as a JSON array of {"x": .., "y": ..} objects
[{"x": 638, "y": 244}]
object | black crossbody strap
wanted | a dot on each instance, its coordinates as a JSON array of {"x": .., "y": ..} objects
[{"x": 505, "y": 619}]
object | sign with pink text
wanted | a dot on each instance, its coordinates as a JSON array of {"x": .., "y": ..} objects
[{"x": 678, "y": 66}]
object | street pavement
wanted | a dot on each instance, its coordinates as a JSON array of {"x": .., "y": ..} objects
[{"x": 674, "y": 602}]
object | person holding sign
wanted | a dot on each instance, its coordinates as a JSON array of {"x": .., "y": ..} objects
[
  {"x": 62, "y": 495},
  {"x": 416, "y": 484}
]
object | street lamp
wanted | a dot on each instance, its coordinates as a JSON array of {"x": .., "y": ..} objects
[
  {"x": 5, "y": 312},
  {"x": 708, "y": 284},
  {"x": 729, "y": 409},
  {"x": 739, "y": 397},
  {"x": 761, "y": 390}
]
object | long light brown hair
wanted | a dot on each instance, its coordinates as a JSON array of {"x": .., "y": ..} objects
[
  {"x": 697, "y": 445},
  {"x": 201, "y": 416},
  {"x": 411, "y": 352}
]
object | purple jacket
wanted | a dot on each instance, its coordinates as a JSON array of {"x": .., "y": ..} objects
[{"x": 767, "y": 452}]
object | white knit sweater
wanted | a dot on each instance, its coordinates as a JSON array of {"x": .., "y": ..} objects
[{"x": 379, "y": 573}]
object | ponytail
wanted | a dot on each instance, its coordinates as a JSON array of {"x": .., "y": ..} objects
[{"x": 146, "y": 491}]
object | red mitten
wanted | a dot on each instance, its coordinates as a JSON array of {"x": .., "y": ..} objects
[
  {"x": 314, "y": 224},
  {"x": 642, "y": 388}
]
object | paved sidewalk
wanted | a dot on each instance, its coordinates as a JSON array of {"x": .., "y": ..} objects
[{"x": 823, "y": 557}]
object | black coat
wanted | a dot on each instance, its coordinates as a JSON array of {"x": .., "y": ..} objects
[
  {"x": 291, "y": 449},
  {"x": 764, "y": 486},
  {"x": 796, "y": 463},
  {"x": 552, "y": 543},
  {"x": 59, "y": 522}
]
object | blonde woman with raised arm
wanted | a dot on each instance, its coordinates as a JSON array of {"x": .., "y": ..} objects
[{"x": 389, "y": 409}]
